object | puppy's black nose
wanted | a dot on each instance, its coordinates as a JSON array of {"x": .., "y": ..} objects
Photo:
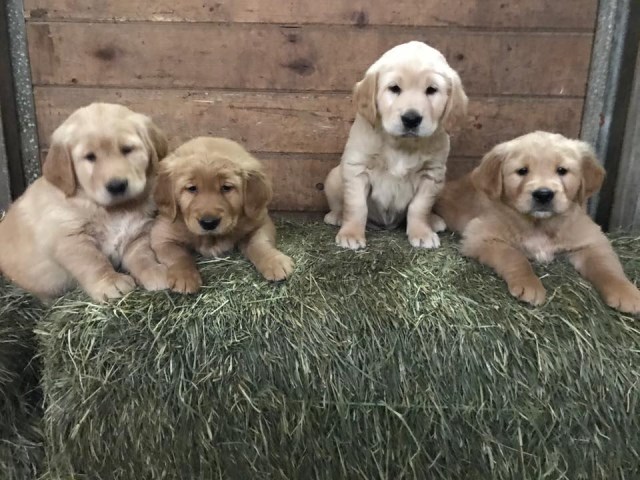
[
  {"x": 117, "y": 186},
  {"x": 209, "y": 223},
  {"x": 411, "y": 119},
  {"x": 543, "y": 195}
]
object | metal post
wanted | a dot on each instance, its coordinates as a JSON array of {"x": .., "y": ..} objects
[
  {"x": 5, "y": 190},
  {"x": 22, "y": 151},
  {"x": 608, "y": 94},
  {"x": 626, "y": 206}
]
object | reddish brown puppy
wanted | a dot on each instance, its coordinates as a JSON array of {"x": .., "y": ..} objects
[{"x": 212, "y": 196}]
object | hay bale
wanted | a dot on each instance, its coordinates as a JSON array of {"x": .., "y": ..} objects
[
  {"x": 388, "y": 363},
  {"x": 21, "y": 449}
]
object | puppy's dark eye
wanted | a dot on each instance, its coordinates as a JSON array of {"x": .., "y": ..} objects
[
  {"x": 226, "y": 188},
  {"x": 431, "y": 90},
  {"x": 91, "y": 157},
  {"x": 522, "y": 171},
  {"x": 395, "y": 89},
  {"x": 562, "y": 171},
  {"x": 126, "y": 149},
  {"x": 191, "y": 188}
]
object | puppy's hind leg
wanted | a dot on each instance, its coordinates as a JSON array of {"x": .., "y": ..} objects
[{"x": 333, "y": 191}]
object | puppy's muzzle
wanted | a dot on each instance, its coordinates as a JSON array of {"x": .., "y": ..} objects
[
  {"x": 117, "y": 186},
  {"x": 542, "y": 196},
  {"x": 411, "y": 119},
  {"x": 209, "y": 223}
]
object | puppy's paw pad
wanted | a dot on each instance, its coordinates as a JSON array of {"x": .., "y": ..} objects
[
  {"x": 354, "y": 242},
  {"x": 625, "y": 299},
  {"x": 529, "y": 291},
  {"x": 113, "y": 286},
  {"x": 278, "y": 268},
  {"x": 333, "y": 218},
  {"x": 437, "y": 223},
  {"x": 154, "y": 278},
  {"x": 423, "y": 237},
  {"x": 184, "y": 280}
]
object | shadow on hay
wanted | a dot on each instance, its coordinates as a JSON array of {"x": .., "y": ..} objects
[
  {"x": 21, "y": 450},
  {"x": 387, "y": 363}
]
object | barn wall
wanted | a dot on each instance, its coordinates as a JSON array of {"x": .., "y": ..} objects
[{"x": 277, "y": 75}]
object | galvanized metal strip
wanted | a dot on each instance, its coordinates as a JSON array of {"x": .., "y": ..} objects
[
  {"x": 602, "y": 116},
  {"x": 23, "y": 90},
  {"x": 5, "y": 188},
  {"x": 625, "y": 213}
]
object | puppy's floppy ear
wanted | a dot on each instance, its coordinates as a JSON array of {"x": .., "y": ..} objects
[
  {"x": 455, "y": 111},
  {"x": 487, "y": 177},
  {"x": 592, "y": 172},
  {"x": 58, "y": 167},
  {"x": 257, "y": 192},
  {"x": 164, "y": 196},
  {"x": 364, "y": 96},
  {"x": 154, "y": 139}
]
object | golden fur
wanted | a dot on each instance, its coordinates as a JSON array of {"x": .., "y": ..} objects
[
  {"x": 392, "y": 170},
  {"x": 217, "y": 184},
  {"x": 502, "y": 223},
  {"x": 69, "y": 228}
]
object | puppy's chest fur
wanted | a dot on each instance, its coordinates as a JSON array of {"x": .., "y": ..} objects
[
  {"x": 115, "y": 230},
  {"x": 394, "y": 177},
  {"x": 540, "y": 246}
]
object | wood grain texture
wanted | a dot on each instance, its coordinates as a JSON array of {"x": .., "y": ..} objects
[
  {"x": 309, "y": 58},
  {"x": 562, "y": 14},
  {"x": 299, "y": 122}
]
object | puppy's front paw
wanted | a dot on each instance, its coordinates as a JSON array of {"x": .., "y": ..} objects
[
  {"x": 352, "y": 238},
  {"x": 421, "y": 236},
  {"x": 154, "y": 278},
  {"x": 277, "y": 267},
  {"x": 624, "y": 297},
  {"x": 529, "y": 290},
  {"x": 114, "y": 285},
  {"x": 333, "y": 218},
  {"x": 183, "y": 279}
]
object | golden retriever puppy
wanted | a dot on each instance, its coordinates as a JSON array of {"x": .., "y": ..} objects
[
  {"x": 213, "y": 196},
  {"x": 526, "y": 200},
  {"x": 90, "y": 211},
  {"x": 393, "y": 165}
]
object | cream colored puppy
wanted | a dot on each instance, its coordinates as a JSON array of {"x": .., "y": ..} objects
[
  {"x": 91, "y": 211},
  {"x": 393, "y": 166},
  {"x": 525, "y": 201}
]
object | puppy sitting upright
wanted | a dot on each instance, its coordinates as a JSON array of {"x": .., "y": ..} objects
[
  {"x": 213, "y": 195},
  {"x": 527, "y": 199},
  {"x": 393, "y": 165},
  {"x": 91, "y": 210}
]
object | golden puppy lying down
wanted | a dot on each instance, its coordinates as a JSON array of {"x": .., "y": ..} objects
[
  {"x": 213, "y": 196},
  {"x": 393, "y": 165},
  {"x": 526, "y": 200},
  {"x": 91, "y": 210}
]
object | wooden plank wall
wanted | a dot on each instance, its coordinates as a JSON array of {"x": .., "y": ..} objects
[{"x": 276, "y": 75}]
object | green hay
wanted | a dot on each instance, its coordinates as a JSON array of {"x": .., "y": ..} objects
[
  {"x": 21, "y": 450},
  {"x": 383, "y": 364}
]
